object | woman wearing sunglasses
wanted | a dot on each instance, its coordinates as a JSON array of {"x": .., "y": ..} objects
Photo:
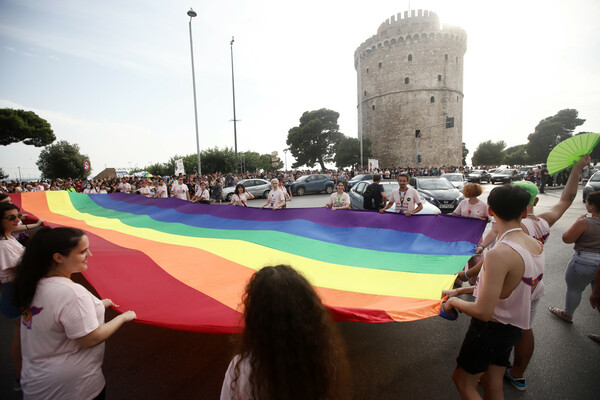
[{"x": 10, "y": 255}]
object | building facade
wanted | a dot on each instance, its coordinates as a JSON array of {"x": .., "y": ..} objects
[{"x": 410, "y": 77}]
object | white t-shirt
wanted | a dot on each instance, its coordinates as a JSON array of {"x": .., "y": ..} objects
[
  {"x": 243, "y": 389},
  {"x": 11, "y": 252},
  {"x": 339, "y": 200},
  {"x": 89, "y": 191},
  {"x": 162, "y": 191},
  {"x": 276, "y": 197},
  {"x": 124, "y": 187},
  {"x": 203, "y": 194},
  {"x": 405, "y": 201},
  {"x": 180, "y": 191},
  {"x": 241, "y": 200},
  {"x": 55, "y": 366},
  {"x": 477, "y": 210},
  {"x": 144, "y": 191}
]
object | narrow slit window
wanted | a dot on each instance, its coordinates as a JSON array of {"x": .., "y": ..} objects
[
  {"x": 432, "y": 99},
  {"x": 410, "y": 57},
  {"x": 439, "y": 78},
  {"x": 406, "y": 80},
  {"x": 446, "y": 56},
  {"x": 379, "y": 65},
  {"x": 373, "y": 106}
]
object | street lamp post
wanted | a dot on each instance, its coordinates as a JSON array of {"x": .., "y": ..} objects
[
  {"x": 192, "y": 14},
  {"x": 285, "y": 152},
  {"x": 234, "y": 117}
]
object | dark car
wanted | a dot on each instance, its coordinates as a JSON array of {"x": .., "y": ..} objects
[
  {"x": 478, "y": 176},
  {"x": 592, "y": 185},
  {"x": 506, "y": 176},
  {"x": 357, "y": 199},
  {"x": 438, "y": 191},
  {"x": 315, "y": 183},
  {"x": 359, "y": 178}
]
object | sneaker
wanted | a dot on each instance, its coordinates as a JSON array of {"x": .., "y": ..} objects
[
  {"x": 518, "y": 383},
  {"x": 594, "y": 336}
]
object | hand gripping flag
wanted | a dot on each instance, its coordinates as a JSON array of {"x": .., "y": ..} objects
[{"x": 185, "y": 266}]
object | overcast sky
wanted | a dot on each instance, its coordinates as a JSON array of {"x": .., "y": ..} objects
[{"x": 114, "y": 76}]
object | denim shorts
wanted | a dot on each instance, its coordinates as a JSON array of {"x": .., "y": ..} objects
[
  {"x": 7, "y": 297},
  {"x": 487, "y": 343}
]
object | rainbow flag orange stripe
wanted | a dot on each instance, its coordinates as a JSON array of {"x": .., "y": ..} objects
[{"x": 185, "y": 266}]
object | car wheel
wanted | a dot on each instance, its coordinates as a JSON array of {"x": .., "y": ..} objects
[
  {"x": 266, "y": 194},
  {"x": 229, "y": 196},
  {"x": 300, "y": 191},
  {"x": 329, "y": 189}
]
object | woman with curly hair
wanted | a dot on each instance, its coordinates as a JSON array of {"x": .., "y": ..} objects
[
  {"x": 290, "y": 348},
  {"x": 471, "y": 206}
]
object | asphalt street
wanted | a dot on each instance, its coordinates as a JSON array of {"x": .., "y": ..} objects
[{"x": 411, "y": 360}]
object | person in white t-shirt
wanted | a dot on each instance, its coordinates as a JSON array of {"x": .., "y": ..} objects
[
  {"x": 240, "y": 196},
  {"x": 90, "y": 189},
  {"x": 124, "y": 186},
  {"x": 276, "y": 197},
  {"x": 339, "y": 200},
  {"x": 180, "y": 190},
  {"x": 145, "y": 190},
  {"x": 471, "y": 206},
  {"x": 202, "y": 194},
  {"x": 406, "y": 198},
  {"x": 62, "y": 325},
  {"x": 161, "y": 190}
]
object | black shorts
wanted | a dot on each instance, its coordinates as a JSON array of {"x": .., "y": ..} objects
[{"x": 487, "y": 343}]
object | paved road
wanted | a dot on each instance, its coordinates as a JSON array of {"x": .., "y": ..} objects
[{"x": 411, "y": 360}]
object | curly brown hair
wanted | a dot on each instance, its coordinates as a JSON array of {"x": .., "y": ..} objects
[
  {"x": 293, "y": 348},
  {"x": 472, "y": 190}
]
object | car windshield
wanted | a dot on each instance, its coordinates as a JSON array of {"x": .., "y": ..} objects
[
  {"x": 357, "y": 178},
  {"x": 455, "y": 178},
  {"x": 435, "y": 184},
  {"x": 476, "y": 172},
  {"x": 595, "y": 177},
  {"x": 504, "y": 172},
  {"x": 302, "y": 178}
]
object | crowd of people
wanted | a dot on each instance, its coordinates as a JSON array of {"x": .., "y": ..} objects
[{"x": 290, "y": 347}]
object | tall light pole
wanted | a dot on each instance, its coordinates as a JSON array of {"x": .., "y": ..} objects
[
  {"x": 234, "y": 117},
  {"x": 192, "y": 14},
  {"x": 285, "y": 152}
]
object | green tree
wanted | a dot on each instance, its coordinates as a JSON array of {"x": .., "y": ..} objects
[
  {"x": 516, "y": 155},
  {"x": 314, "y": 140},
  {"x": 24, "y": 126},
  {"x": 560, "y": 125},
  {"x": 62, "y": 160},
  {"x": 3, "y": 175},
  {"x": 465, "y": 153},
  {"x": 347, "y": 152},
  {"x": 489, "y": 153}
]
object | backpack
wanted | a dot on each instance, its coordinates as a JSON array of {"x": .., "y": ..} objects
[{"x": 369, "y": 197}]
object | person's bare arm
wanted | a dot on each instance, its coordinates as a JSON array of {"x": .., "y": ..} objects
[
  {"x": 575, "y": 231},
  {"x": 568, "y": 194},
  {"x": 104, "y": 331},
  {"x": 416, "y": 210}
]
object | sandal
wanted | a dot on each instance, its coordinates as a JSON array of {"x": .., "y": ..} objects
[{"x": 557, "y": 312}]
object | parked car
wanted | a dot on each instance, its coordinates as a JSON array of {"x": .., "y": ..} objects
[
  {"x": 457, "y": 180},
  {"x": 506, "y": 176},
  {"x": 438, "y": 191},
  {"x": 357, "y": 200},
  {"x": 258, "y": 188},
  {"x": 359, "y": 178},
  {"x": 314, "y": 183},
  {"x": 592, "y": 185},
  {"x": 478, "y": 176},
  {"x": 523, "y": 170}
]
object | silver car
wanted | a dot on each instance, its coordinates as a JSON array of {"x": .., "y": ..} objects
[
  {"x": 357, "y": 200},
  {"x": 257, "y": 187},
  {"x": 456, "y": 179}
]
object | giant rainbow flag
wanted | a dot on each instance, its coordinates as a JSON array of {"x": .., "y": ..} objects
[{"x": 185, "y": 266}]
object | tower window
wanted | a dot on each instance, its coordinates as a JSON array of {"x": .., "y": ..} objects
[
  {"x": 406, "y": 80},
  {"x": 379, "y": 65},
  {"x": 457, "y": 60},
  {"x": 367, "y": 70},
  {"x": 446, "y": 57},
  {"x": 365, "y": 92},
  {"x": 439, "y": 78},
  {"x": 373, "y": 106},
  {"x": 410, "y": 57},
  {"x": 432, "y": 99}
]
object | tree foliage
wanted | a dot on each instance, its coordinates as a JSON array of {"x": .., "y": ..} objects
[
  {"x": 62, "y": 160},
  {"x": 24, "y": 126},
  {"x": 561, "y": 125},
  {"x": 3, "y": 175},
  {"x": 516, "y": 155},
  {"x": 314, "y": 140},
  {"x": 489, "y": 153},
  {"x": 347, "y": 152},
  {"x": 465, "y": 153}
]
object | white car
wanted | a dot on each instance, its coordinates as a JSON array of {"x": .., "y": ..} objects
[{"x": 456, "y": 179}]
